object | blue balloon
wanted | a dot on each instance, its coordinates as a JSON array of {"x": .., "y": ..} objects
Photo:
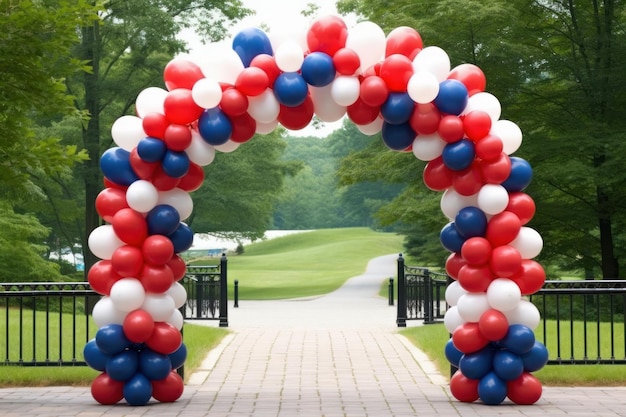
[
  {"x": 251, "y": 42},
  {"x": 154, "y": 365},
  {"x": 137, "y": 390},
  {"x": 459, "y": 155},
  {"x": 507, "y": 365},
  {"x": 318, "y": 69},
  {"x": 491, "y": 389},
  {"x": 179, "y": 357},
  {"x": 398, "y": 108},
  {"x": 519, "y": 339},
  {"x": 536, "y": 358},
  {"x": 175, "y": 164},
  {"x": 453, "y": 355},
  {"x": 290, "y": 89},
  {"x": 450, "y": 238},
  {"x": 122, "y": 366},
  {"x": 520, "y": 176},
  {"x": 115, "y": 165},
  {"x": 94, "y": 357},
  {"x": 471, "y": 222},
  {"x": 163, "y": 219},
  {"x": 398, "y": 137},
  {"x": 182, "y": 238},
  {"x": 110, "y": 339},
  {"x": 478, "y": 364},
  {"x": 214, "y": 126},
  {"x": 151, "y": 149},
  {"x": 452, "y": 97}
]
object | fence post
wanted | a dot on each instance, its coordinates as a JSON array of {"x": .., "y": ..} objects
[
  {"x": 236, "y": 295},
  {"x": 401, "y": 314},
  {"x": 223, "y": 292},
  {"x": 390, "y": 291},
  {"x": 428, "y": 298}
]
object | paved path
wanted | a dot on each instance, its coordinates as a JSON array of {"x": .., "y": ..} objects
[{"x": 335, "y": 355}]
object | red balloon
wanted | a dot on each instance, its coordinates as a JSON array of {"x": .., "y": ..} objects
[
  {"x": 403, "y": 40},
  {"x": 469, "y": 181},
  {"x": 530, "y": 277},
  {"x": 496, "y": 171},
  {"x": 525, "y": 390},
  {"x": 471, "y": 76},
  {"x": 477, "y": 124},
  {"x": 252, "y": 81},
  {"x": 233, "y": 102},
  {"x": 346, "y": 61},
  {"x": 299, "y": 117},
  {"x": 193, "y": 179},
  {"x": 154, "y": 124},
  {"x": 127, "y": 261},
  {"x": 244, "y": 128},
  {"x": 180, "y": 73},
  {"x": 157, "y": 249},
  {"x": 162, "y": 181},
  {"x": 361, "y": 113},
  {"x": 143, "y": 169},
  {"x": 475, "y": 278},
  {"x": 505, "y": 261},
  {"x": 327, "y": 34},
  {"x": 268, "y": 64},
  {"x": 463, "y": 388},
  {"x": 165, "y": 338},
  {"x": 373, "y": 91},
  {"x": 177, "y": 137},
  {"x": 106, "y": 390},
  {"x": 522, "y": 205},
  {"x": 476, "y": 251},
  {"x": 488, "y": 148},
  {"x": 138, "y": 326},
  {"x": 396, "y": 70},
  {"x": 102, "y": 276},
  {"x": 156, "y": 279},
  {"x": 503, "y": 228},
  {"x": 180, "y": 108},
  {"x": 468, "y": 339},
  {"x": 130, "y": 226},
  {"x": 169, "y": 389},
  {"x": 425, "y": 118},
  {"x": 453, "y": 264},
  {"x": 110, "y": 184},
  {"x": 437, "y": 176},
  {"x": 451, "y": 128},
  {"x": 109, "y": 201},
  {"x": 493, "y": 324},
  {"x": 178, "y": 267}
]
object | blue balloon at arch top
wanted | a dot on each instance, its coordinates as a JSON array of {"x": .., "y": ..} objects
[
  {"x": 398, "y": 137},
  {"x": 251, "y": 42},
  {"x": 520, "y": 176},
  {"x": 175, "y": 164},
  {"x": 163, "y": 219},
  {"x": 318, "y": 69},
  {"x": 214, "y": 126},
  {"x": 450, "y": 238},
  {"x": 471, "y": 221},
  {"x": 459, "y": 155},
  {"x": 182, "y": 238},
  {"x": 290, "y": 89},
  {"x": 115, "y": 165},
  {"x": 151, "y": 149},
  {"x": 452, "y": 97},
  {"x": 398, "y": 108}
]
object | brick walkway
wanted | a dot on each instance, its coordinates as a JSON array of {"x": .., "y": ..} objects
[{"x": 336, "y": 355}]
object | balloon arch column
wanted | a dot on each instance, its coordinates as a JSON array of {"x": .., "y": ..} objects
[{"x": 384, "y": 83}]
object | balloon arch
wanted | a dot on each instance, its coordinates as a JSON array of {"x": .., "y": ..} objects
[{"x": 384, "y": 83}]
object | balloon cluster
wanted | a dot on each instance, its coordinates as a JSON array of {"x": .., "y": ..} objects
[{"x": 392, "y": 84}]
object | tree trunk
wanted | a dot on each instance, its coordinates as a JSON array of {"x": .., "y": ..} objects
[{"x": 610, "y": 266}]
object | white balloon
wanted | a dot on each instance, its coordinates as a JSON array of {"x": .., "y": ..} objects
[
  {"x": 428, "y": 147},
  {"x": 176, "y": 319},
  {"x": 326, "y": 109},
  {"x": 525, "y": 313},
  {"x": 371, "y": 128},
  {"x": 199, "y": 151},
  {"x": 434, "y": 60},
  {"x": 104, "y": 312},
  {"x": 452, "y": 319},
  {"x": 503, "y": 294},
  {"x": 178, "y": 293},
  {"x": 103, "y": 241},
  {"x": 265, "y": 128},
  {"x": 127, "y": 294},
  {"x": 528, "y": 242},
  {"x": 228, "y": 146},
  {"x": 472, "y": 305},
  {"x": 218, "y": 62},
  {"x": 453, "y": 292},
  {"x": 345, "y": 90},
  {"x": 493, "y": 198},
  {"x": 509, "y": 133},
  {"x": 264, "y": 108},
  {"x": 206, "y": 93},
  {"x": 160, "y": 306},
  {"x": 179, "y": 199},
  {"x": 127, "y": 131},
  {"x": 142, "y": 196},
  {"x": 451, "y": 202},
  {"x": 368, "y": 40},
  {"x": 289, "y": 56},
  {"x": 423, "y": 87},
  {"x": 484, "y": 102},
  {"x": 150, "y": 100},
  {"x": 290, "y": 30}
]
